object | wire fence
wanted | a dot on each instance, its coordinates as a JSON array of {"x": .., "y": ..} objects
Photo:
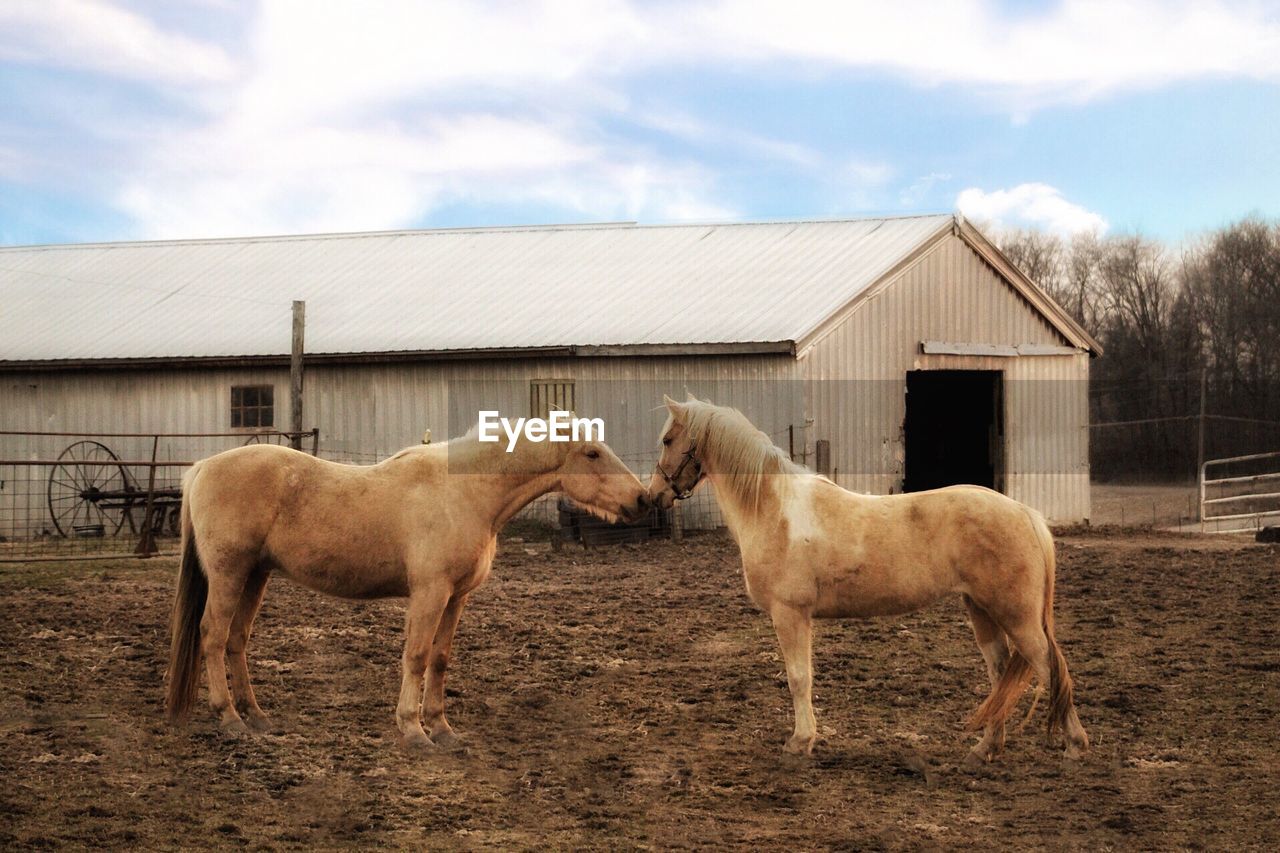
[{"x": 69, "y": 495}]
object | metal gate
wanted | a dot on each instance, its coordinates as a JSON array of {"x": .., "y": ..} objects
[{"x": 1243, "y": 495}]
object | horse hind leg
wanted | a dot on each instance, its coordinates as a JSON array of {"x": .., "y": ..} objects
[
  {"x": 226, "y": 587},
  {"x": 995, "y": 651},
  {"x": 237, "y": 646},
  {"x": 1035, "y": 644}
]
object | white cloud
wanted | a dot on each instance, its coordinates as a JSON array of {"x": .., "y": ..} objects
[
  {"x": 867, "y": 173},
  {"x": 1077, "y": 51},
  {"x": 1034, "y": 205},
  {"x": 921, "y": 187},
  {"x": 96, "y": 36},
  {"x": 692, "y": 129},
  {"x": 327, "y": 56},
  {"x": 236, "y": 178},
  {"x": 371, "y": 115}
]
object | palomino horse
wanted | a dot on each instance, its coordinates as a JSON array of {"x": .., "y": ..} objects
[
  {"x": 812, "y": 549},
  {"x": 421, "y": 524}
]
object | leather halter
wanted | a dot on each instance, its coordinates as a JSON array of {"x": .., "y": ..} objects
[{"x": 681, "y": 494}]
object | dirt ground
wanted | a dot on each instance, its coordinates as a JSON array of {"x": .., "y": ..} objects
[{"x": 632, "y": 697}]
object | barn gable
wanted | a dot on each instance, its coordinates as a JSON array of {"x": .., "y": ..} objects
[{"x": 970, "y": 285}]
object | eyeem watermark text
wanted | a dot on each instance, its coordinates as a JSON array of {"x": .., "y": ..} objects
[{"x": 561, "y": 426}]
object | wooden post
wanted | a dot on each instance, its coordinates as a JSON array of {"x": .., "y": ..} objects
[
  {"x": 822, "y": 460},
  {"x": 295, "y": 374},
  {"x": 677, "y": 523},
  {"x": 147, "y": 542},
  {"x": 1204, "y": 385}
]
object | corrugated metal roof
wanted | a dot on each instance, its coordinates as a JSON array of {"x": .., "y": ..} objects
[{"x": 445, "y": 289}]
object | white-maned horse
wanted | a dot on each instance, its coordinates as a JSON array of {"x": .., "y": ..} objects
[
  {"x": 422, "y": 524},
  {"x": 812, "y": 549}
]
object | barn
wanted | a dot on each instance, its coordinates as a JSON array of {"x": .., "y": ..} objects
[{"x": 891, "y": 353}]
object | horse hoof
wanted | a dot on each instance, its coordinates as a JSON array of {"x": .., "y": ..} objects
[
  {"x": 798, "y": 746},
  {"x": 974, "y": 761},
  {"x": 234, "y": 727},
  {"x": 448, "y": 741},
  {"x": 1073, "y": 753},
  {"x": 417, "y": 742},
  {"x": 260, "y": 725}
]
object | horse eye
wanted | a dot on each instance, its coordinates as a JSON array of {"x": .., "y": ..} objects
[
  {"x": 593, "y": 454},
  {"x": 666, "y": 442}
]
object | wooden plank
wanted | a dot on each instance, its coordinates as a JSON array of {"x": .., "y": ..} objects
[
  {"x": 994, "y": 350},
  {"x": 946, "y": 348},
  {"x": 1047, "y": 349},
  {"x": 295, "y": 373}
]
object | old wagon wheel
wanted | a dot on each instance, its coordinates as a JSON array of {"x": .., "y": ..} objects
[{"x": 85, "y": 479}]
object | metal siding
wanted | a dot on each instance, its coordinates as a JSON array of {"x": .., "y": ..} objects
[
  {"x": 366, "y": 413},
  {"x": 127, "y": 401},
  {"x": 520, "y": 287},
  {"x": 951, "y": 295}
]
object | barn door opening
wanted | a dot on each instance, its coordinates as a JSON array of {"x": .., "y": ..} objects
[{"x": 954, "y": 429}]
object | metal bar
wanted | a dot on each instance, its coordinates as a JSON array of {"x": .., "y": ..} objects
[
  {"x": 1253, "y": 478},
  {"x": 1204, "y": 493},
  {"x": 248, "y": 433},
  {"x": 1237, "y": 529},
  {"x": 1243, "y": 420},
  {"x": 83, "y": 557},
  {"x": 1144, "y": 421},
  {"x": 1261, "y": 496},
  {"x": 108, "y": 462},
  {"x": 1252, "y": 456},
  {"x": 1233, "y": 516}
]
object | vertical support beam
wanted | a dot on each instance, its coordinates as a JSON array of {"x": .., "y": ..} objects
[
  {"x": 295, "y": 374},
  {"x": 147, "y": 542},
  {"x": 1204, "y": 386}
]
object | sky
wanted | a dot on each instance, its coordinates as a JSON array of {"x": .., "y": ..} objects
[{"x": 124, "y": 120}]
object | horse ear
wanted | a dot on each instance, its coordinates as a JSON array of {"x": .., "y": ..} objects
[
  {"x": 673, "y": 407},
  {"x": 689, "y": 398}
]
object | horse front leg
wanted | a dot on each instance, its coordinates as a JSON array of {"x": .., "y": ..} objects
[
  {"x": 422, "y": 617},
  {"x": 795, "y": 636},
  {"x": 437, "y": 665}
]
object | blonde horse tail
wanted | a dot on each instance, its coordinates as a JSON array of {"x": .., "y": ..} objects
[
  {"x": 188, "y": 610},
  {"x": 1061, "y": 688},
  {"x": 1004, "y": 698}
]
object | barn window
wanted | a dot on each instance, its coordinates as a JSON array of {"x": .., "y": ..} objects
[
  {"x": 547, "y": 395},
  {"x": 252, "y": 406}
]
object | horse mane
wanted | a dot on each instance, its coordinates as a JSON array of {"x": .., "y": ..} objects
[
  {"x": 741, "y": 454},
  {"x": 491, "y": 458}
]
